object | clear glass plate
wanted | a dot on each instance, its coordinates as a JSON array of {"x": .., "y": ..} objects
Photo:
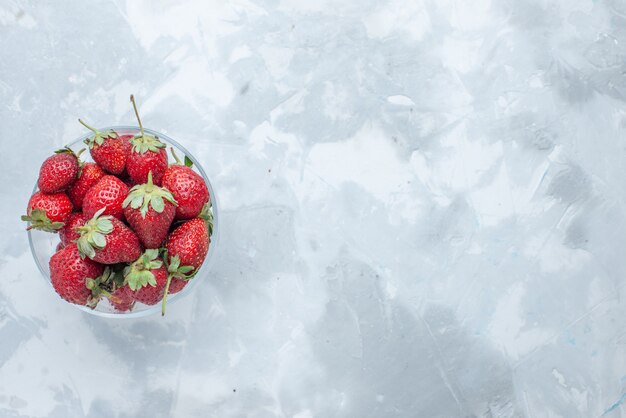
[{"x": 43, "y": 244}]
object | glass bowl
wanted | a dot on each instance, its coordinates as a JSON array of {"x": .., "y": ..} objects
[{"x": 43, "y": 244}]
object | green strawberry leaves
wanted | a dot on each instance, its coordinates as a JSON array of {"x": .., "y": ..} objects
[
  {"x": 93, "y": 234},
  {"x": 140, "y": 278},
  {"x": 207, "y": 214},
  {"x": 157, "y": 203},
  {"x": 138, "y": 274},
  {"x": 98, "y": 137},
  {"x": 142, "y": 196},
  {"x": 39, "y": 220},
  {"x": 188, "y": 161},
  {"x": 142, "y": 143},
  {"x": 149, "y": 259},
  {"x": 176, "y": 270}
]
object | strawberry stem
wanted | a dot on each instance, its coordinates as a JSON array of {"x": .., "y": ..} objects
[
  {"x": 149, "y": 184},
  {"x": 91, "y": 128},
  {"x": 132, "y": 99},
  {"x": 165, "y": 292},
  {"x": 175, "y": 156}
]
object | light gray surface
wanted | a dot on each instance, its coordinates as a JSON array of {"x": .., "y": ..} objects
[{"x": 423, "y": 207}]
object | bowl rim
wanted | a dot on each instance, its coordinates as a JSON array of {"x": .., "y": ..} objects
[{"x": 207, "y": 261}]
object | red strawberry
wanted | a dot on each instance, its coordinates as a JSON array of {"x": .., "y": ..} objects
[
  {"x": 69, "y": 272},
  {"x": 147, "y": 155},
  {"x": 108, "y": 193},
  {"x": 89, "y": 175},
  {"x": 147, "y": 278},
  {"x": 190, "y": 242},
  {"x": 69, "y": 232},
  {"x": 107, "y": 240},
  {"x": 59, "y": 247},
  {"x": 187, "y": 187},
  {"x": 108, "y": 149},
  {"x": 150, "y": 210},
  {"x": 122, "y": 299},
  {"x": 58, "y": 171},
  {"x": 48, "y": 212},
  {"x": 187, "y": 247}
]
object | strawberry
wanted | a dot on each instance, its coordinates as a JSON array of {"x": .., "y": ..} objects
[
  {"x": 89, "y": 175},
  {"x": 108, "y": 149},
  {"x": 48, "y": 212},
  {"x": 150, "y": 210},
  {"x": 187, "y": 187},
  {"x": 69, "y": 273},
  {"x": 186, "y": 248},
  {"x": 190, "y": 241},
  {"x": 107, "y": 240},
  {"x": 69, "y": 232},
  {"x": 59, "y": 247},
  {"x": 147, "y": 155},
  {"x": 147, "y": 277},
  {"x": 58, "y": 171},
  {"x": 108, "y": 193}
]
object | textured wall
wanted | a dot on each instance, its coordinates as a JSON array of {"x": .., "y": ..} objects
[{"x": 422, "y": 207}]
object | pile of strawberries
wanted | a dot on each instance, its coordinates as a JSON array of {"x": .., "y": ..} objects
[{"x": 132, "y": 227}]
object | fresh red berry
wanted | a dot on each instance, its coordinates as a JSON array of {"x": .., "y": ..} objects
[
  {"x": 186, "y": 248},
  {"x": 107, "y": 240},
  {"x": 69, "y": 272},
  {"x": 58, "y": 171},
  {"x": 69, "y": 233},
  {"x": 150, "y": 210},
  {"x": 190, "y": 242},
  {"x": 108, "y": 193},
  {"x": 89, "y": 175},
  {"x": 187, "y": 187},
  {"x": 109, "y": 149},
  {"x": 48, "y": 212}
]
